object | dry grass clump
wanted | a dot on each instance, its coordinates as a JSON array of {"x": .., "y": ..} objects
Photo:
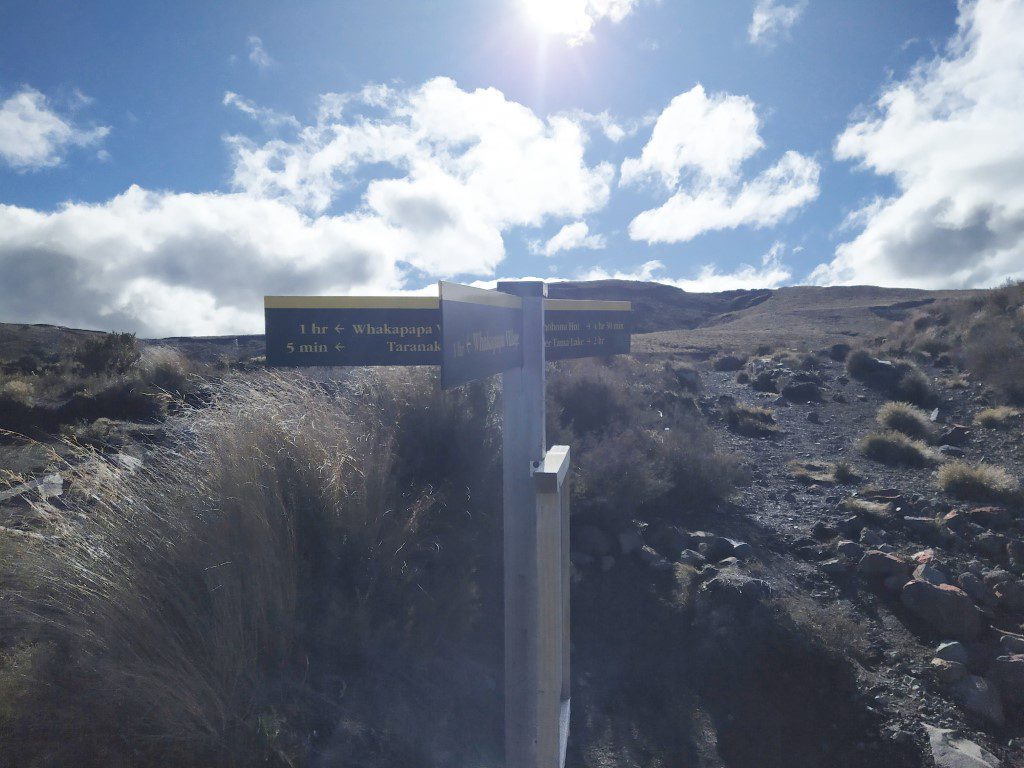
[
  {"x": 984, "y": 333},
  {"x": 274, "y": 571},
  {"x": 905, "y": 418},
  {"x": 978, "y": 482},
  {"x": 822, "y": 472},
  {"x": 752, "y": 421},
  {"x": 896, "y": 449},
  {"x": 729, "y": 363},
  {"x": 901, "y": 379},
  {"x": 1001, "y": 417},
  {"x": 875, "y": 511},
  {"x": 627, "y": 457}
]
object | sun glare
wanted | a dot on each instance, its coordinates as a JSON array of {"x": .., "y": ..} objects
[{"x": 558, "y": 17}]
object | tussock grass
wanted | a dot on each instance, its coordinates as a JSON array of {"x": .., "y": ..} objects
[
  {"x": 752, "y": 421},
  {"x": 1001, "y": 417},
  {"x": 900, "y": 379},
  {"x": 905, "y": 418},
  {"x": 822, "y": 472},
  {"x": 875, "y": 511},
  {"x": 209, "y": 608},
  {"x": 627, "y": 457},
  {"x": 978, "y": 482},
  {"x": 896, "y": 449}
]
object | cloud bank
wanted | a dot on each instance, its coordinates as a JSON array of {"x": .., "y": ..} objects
[
  {"x": 569, "y": 238},
  {"x": 772, "y": 20},
  {"x": 696, "y": 151},
  {"x": 34, "y": 136},
  {"x": 770, "y": 274},
  {"x": 463, "y": 167},
  {"x": 950, "y": 137}
]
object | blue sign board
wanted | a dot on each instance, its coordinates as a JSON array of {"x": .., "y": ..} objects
[
  {"x": 575, "y": 329},
  {"x": 481, "y": 333},
  {"x": 352, "y": 330}
]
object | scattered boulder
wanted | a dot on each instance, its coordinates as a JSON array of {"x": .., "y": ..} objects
[
  {"x": 871, "y": 538},
  {"x": 952, "y": 650},
  {"x": 948, "y": 751},
  {"x": 930, "y": 573},
  {"x": 991, "y": 545},
  {"x": 689, "y": 557},
  {"x": 980, "y": 697},
  {"x": 1010, "y": 595},
  {"x": 729, "y": 363},
  {"x": 838, "y": 352},
  {"x": 835, "y": 568},
  {"x": 732, "y": 587},
  {"x": 802, "y": 392},
  {"x": 876, "y": 564},
  {"x": 993, "y": 518},
  {"x": 952, "y": 451},
  {"x": 822, "y": 531},
  {"x": 650, "y": 557},
  {"x": 1007, "y": 672},
  {"x": 713, "y": 547},
  {"x": 947, "y": 609},
  {"x": 957, "y": 435},
  {"x": 948, "y": 672},
  {"x": 978, "y": 590},
  {"x": 923, "y": 527},
  {"x": 670, "y": 540},
  {"x": 741, "y": 549},
  {"x": 849, "y": 549},
  {"x": 1012, "y": 644}
]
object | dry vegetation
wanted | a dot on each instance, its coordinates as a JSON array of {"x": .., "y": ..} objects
[
  {"x": 896, "y": 449},
  {"x": 751, "y": 421},
  {"x": 905, "y": 418},
  {"x": 978, "y": 482},
  {"x": 305, "y": 570},
  {"x": 900, "y": 379},
  {"x": 1001, "y": 417},
  {"x": 984, "y": 334}
]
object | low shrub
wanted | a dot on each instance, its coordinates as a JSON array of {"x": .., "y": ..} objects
[
  {"x": 896, "y": 449},
  {"x": 1001, "y": 417},
  {"x": 270, "y": 574},
  {"x": 901, "y": 379},
  {"x": 751, "y": 421},
  {"x": 729, "y": 363},
  {"x": 112, "y": 353},
  {"x": 905, "y": 418},
  {"x": 978, "y": 482},
  {"x": 630, "y": 458}
]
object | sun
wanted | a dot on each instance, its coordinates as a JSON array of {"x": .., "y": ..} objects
[{"x": 559, "y": 17}]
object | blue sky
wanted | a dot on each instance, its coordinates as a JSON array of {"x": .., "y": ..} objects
[{"x": 163, "y": 166}]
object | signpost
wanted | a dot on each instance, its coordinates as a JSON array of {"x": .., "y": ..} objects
[{"x": 472, "y": 334}]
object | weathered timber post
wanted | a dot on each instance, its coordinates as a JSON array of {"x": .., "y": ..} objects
[
  {"x": 523, "y": 444},
  {"x": 552, "y": 483}
]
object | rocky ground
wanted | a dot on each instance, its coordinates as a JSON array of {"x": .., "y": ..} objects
[
  {"x": 867, "y": 621},
  {"x": 915, "y": 599}
]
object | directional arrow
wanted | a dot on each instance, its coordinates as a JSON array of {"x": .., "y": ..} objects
[
  {"x": 339, "y": 347},
  {"x": 339, "y": 328}
]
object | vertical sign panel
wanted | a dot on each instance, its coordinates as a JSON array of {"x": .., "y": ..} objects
[
  {"x": 352, "y": 330},
  {"x": 585, "y": 328},
  {"x": 481, "y": 333}
]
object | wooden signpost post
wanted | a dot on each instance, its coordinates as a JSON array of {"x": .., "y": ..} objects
[{"x": 472, "y": 334}]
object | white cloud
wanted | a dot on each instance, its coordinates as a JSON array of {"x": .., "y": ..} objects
[
  {"x": 258, "y": 55},
  {"x": 772, "y": 20},
  {"x": 613, "y": 130},
  {"x": 574, "y": 20},
  {"x": 568, "y": 238},
  {"x": 267, "y": 117},
  {"x": 34, "y": 136},
  {"x": 950, "y": 135},
  {"x": 464, "y": 167},
  {"x": 706, "y": 135},
  {"x": 696, "y": 151},
  {"x": 771, "y": 274}
]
